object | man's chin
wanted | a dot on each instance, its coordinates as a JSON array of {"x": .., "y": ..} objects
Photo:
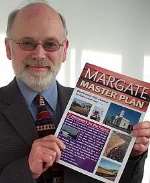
[
  {"x": 38, "y": 86},
  {"x": 38, "y": 83}
]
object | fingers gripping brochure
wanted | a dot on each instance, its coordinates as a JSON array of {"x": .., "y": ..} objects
[{"x": 97, "y": 123}]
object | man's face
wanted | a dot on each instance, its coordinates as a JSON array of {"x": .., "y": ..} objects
[{"x": 39, "y": 27}]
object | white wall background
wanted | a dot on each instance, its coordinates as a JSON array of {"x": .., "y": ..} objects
[{"x": 111, "y": 33}]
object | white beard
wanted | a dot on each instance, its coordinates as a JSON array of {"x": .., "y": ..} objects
[{"x": 36, "y": 81}]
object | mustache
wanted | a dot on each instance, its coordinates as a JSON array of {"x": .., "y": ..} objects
[{"x": 37, "y": 63}]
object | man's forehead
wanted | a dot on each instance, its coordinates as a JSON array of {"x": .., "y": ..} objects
[{"x": 37, "y": 20}]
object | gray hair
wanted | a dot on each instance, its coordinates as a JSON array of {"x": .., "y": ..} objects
[{"x": 13, "y": 14}]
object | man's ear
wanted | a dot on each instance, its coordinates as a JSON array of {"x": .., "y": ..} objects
[
  {"x": 8, "y": 50},
  {"x": 65, "y": 49}
]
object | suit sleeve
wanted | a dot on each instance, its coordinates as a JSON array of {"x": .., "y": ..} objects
[
  {"x": 133, "y": 172},
  {"x": 17, "y": 172}
]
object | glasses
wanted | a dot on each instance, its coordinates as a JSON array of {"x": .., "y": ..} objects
[{"x": 49, "y": 45}]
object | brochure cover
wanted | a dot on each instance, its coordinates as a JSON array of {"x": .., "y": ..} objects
[{"x": 97, "y": 123}]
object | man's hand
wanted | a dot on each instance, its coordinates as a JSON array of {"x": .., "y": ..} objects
[
  {"x": 44, "y": 152},
  {"x": 142, "y": 133}
]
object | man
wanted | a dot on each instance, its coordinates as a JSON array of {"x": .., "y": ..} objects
[{"x": 37, "y": 44}]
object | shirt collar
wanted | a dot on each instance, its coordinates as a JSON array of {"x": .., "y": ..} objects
[{"x": 50, "y": 94}]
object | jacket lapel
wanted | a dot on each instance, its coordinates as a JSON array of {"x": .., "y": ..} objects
[
  {"x": 64, "y": 94},
  {"x": 17, "y": 113}
]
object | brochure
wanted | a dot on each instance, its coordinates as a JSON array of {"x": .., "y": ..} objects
[{"x": 97, "y": 123}]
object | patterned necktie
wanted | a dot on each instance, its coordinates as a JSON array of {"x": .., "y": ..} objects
[
  {"x": 44, "y": 119},
  {"x": 45, "y": 126}
]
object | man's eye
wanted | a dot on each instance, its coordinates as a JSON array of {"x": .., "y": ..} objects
[
  {"x": 50, "y": 44},
  {"x": 28, "y": 44}
]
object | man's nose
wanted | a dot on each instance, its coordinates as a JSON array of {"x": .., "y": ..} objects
[{"x": 39, "y": 52}]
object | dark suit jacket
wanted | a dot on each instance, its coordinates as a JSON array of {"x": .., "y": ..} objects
[{"x": 17, "y": 132}]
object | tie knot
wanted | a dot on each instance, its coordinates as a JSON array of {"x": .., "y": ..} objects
[
  {"x": 42, "y": 107},
  {"x": 40, "y": 100}
]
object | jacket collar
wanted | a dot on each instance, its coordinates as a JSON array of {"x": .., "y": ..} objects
[{"x": 64, "y": 94}]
